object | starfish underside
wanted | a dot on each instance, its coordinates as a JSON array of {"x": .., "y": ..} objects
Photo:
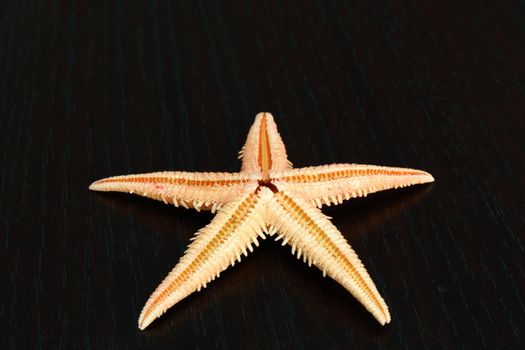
[{"x": 266, "y": 198}]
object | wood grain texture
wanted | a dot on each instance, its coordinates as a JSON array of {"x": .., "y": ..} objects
[{"x": 94, "y": 89}]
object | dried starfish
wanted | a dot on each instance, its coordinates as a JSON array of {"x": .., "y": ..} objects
[{"x": 266, "y": 197}]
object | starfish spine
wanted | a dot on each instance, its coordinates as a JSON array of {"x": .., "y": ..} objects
[
  {"x": 312, "y": 234},
  {"x": 201, "y": 191},
  {"x": 331, "y": 184},
  {"x": 215, "y": 247},
  {"x": 264, "y": 149}
]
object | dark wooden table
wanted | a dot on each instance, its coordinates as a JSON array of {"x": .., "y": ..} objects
[{"x": 89, "y": 90}]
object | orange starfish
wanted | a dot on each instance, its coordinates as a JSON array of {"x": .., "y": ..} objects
[{"x": 266, "y": 197}]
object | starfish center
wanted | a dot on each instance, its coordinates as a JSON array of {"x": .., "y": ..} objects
[{"x": 268, "y": 184}]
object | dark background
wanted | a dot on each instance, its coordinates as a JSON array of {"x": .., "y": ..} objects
[{"x": 89, "y": 90}]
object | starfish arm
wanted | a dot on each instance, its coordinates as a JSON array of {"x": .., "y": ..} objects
[
  {"x": 264, "y": 149},
  {"x": 331, "y": 184},
  {"x": 206, "y": 191},
  {"x": 215, "y": 247},
  {"x": 313, "y": 236}
]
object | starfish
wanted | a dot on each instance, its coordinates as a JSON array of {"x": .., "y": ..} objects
[{"x": 268, "y": 197}]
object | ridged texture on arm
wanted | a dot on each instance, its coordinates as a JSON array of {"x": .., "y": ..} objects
[
  {"x": 202, "y": 191},
  {"x": 264, "y": 149},
  {"x": 312, "y": 235},
  {"x": 331, "y": 184},
  {"x": 215, "y": 247}
]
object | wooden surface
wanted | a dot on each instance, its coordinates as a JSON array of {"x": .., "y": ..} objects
[{"x": 92, "y": 90}]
